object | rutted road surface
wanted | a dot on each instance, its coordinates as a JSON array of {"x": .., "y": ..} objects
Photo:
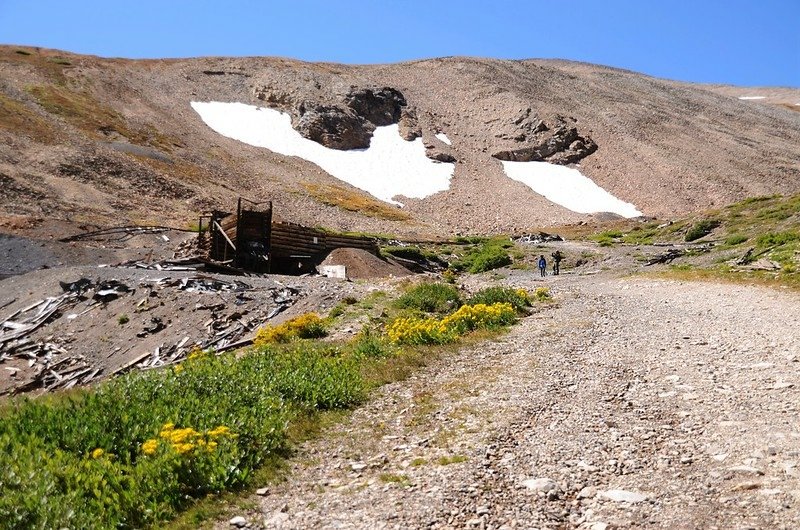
[{"x": 634, "y": 403}]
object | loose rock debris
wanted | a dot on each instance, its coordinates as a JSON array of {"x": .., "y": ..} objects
[{"x": 38, "y": 361}]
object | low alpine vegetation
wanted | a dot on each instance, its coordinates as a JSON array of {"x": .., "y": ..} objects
[
  {"x": 701, "y": 229},
  {"x": 306, "y": 326},
  {"x": 433, "y": 330},
  {"x": 139, "y": 448},
  {"x": 519, "y": 299},
  {"x": 430, "y": 298}
]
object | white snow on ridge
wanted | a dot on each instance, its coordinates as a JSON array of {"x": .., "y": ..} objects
[
  {"x": 391, "y": 166},
  {"x": 568, "y": 188},
  {"x": 752, "y": 97},
  {"x": 443, "y": 137}
]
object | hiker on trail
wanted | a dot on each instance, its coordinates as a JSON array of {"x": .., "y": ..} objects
[
  {"x": 557, "y": 257},
  {"x": 542, "y": 265}
]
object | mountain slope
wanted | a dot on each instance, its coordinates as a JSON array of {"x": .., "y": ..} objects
[{"x": 105, "y": 141}]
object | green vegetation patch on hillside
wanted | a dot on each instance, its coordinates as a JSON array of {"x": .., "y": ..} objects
[
  {"x": 756, "y": 240},
  {"x": 85, "y": 112},
  {"x": 16, "y": 117},
  {"x": 483, "y": 254},
  {"x": 353, "y": 201}
]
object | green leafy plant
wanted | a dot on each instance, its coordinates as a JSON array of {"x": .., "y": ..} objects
[
  {"x": 518, "y": 298},
  {"x": 430, "y": 298},
  {"x": 701, "y": 229}
]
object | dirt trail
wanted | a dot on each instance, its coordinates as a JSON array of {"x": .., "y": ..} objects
[{"x": 635, "y": 403}]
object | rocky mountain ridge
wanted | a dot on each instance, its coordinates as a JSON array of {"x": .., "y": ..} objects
[{"x": 93, "y": 141}]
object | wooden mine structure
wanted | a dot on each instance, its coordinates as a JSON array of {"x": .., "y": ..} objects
[{"x": 250, "y": 240}]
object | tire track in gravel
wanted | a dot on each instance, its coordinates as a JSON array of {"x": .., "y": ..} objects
[{"x": 634, "y": 403}]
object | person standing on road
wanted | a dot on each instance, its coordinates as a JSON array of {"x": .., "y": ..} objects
[
  {"x": 557, "y": 257},
  {"x": 542, "y": 265}
]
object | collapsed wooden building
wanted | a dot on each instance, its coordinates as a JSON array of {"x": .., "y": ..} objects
[{"x": 251, "y": 240}]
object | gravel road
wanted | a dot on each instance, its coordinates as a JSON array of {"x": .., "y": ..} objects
[{"x": 633, "y": 403}]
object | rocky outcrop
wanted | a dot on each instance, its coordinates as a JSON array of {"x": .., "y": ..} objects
[
  {"x": 333, "y": 126},
  {"x": 558, "y": 143},
  {"x": 409, "y": 124},
  {"x": 441, "y": 155},
  {"x": 436, "y": 149},
  {"x": 347, "y": 120},
  {"x": 379, "y": 106}
]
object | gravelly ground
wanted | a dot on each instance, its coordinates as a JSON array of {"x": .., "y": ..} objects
[{"x": 679, "y": 400}]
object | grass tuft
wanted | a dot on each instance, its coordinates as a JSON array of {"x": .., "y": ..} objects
[{"x": 353, "y": 201}]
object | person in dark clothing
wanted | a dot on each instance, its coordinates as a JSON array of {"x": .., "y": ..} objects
[
  {"x": 557, "y": 257},
  {"x": 542, "y": 265}
]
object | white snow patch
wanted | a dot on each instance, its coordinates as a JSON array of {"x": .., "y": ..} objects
[
  {"x": 568, "y": 188},
  {"x": 752, "y": 97},
  {"x": 390, "y": 166},
  {"x": 443, "y": 137}
]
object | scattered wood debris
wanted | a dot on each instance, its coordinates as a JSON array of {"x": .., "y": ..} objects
[
  {"x": 234, "y": 314},
  {"x": 537, "y": 239}
]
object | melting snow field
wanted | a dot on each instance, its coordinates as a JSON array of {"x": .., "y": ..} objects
[
  {"x": 390, "y": 166},
  {"x": 568, "y": 188},
  {"x": 752, "y": 97},
  {"x": 443, "y": 137}
]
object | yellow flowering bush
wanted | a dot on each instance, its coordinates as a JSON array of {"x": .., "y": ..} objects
[
  {"x": 542, "y": 294},
  {"x": 306, "y": 326},
  {"x": 413, "y": 330},
  {"x": 187, "y": 440},
  {"x": 197, "y": 353}
]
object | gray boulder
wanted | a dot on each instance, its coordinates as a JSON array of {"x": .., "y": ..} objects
[{"x": 333, "y": 126}]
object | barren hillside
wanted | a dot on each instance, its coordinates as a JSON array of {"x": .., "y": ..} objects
[{"x": 94, "y": 141}]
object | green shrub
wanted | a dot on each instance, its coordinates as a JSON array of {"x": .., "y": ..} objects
[
  {"x": 735, "y": 239},
  {"x": 484, "y": 255},
  {"x": 542, "y": 294},
  {"x": 518, "y": 298},
  {"x": 370, "y": 345},
  {"x": 701, "y": 229},
  {"x": 430, "y": 298},
  {"x": 489, "y": 259}
]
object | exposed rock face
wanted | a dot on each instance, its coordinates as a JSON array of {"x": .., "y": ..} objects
[
  {"x": 333, "y": 126},
  {"x": 558, "y": 143},
  {"x": 409, "y": 124},
  {"x": 345, "y": 121},
  {"x": 380, "y": 106},
  {"x": 435, "y": 153}
]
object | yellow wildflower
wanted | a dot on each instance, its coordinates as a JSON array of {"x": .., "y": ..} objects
[
  {"x": 222, "y": 430},
  {"x": 97, "y": 453},
  {"x": 183, "y": 448},
  {"x": 150, "y": 446}
]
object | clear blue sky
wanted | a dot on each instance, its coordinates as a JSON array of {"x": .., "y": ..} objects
[{"x": 753, "y": 42}]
